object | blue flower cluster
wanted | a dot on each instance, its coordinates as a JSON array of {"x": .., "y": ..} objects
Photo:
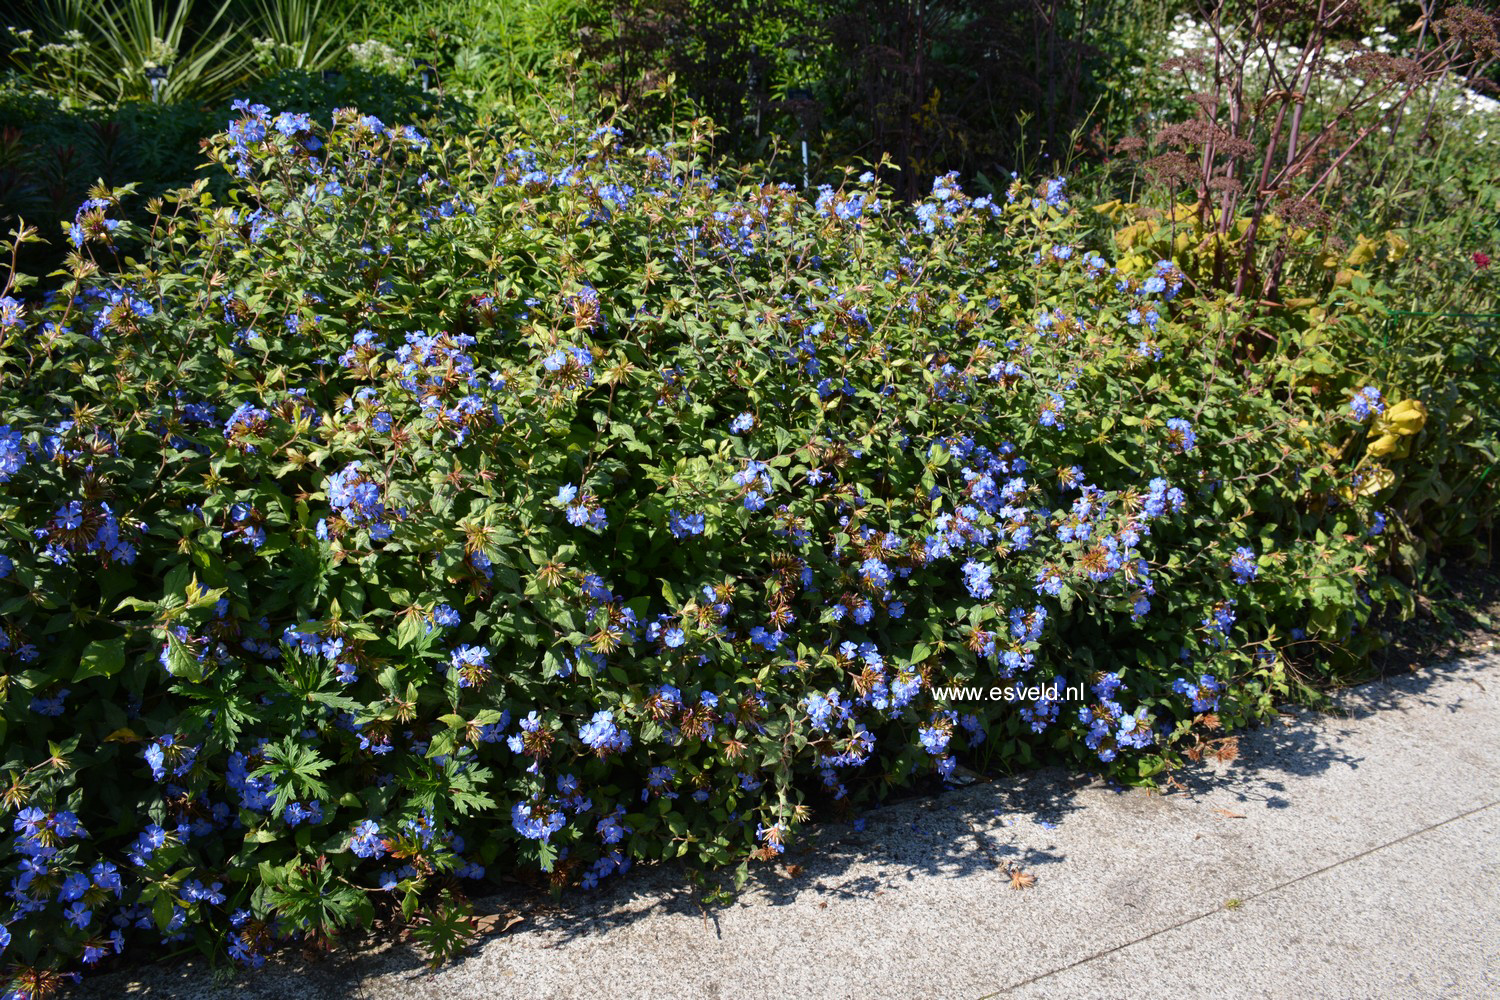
[
  {"x": 1242, "y": 563},
  {"x": 1204, "y": 694},
  {"x": 12, "y": 314},
  {"x": 583, "y": 508},
  {"x": 357, "y": 501},
  {"x": 604, "y": 735},
  {"x": 570, "y": 367},
  {"x": 79, "y": 527},
  {"x": 1364, "y": 402},
  {"x": 1180, "y": 436}
]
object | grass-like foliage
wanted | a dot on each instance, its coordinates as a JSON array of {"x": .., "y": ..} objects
[{"x": 423, "y": 508}]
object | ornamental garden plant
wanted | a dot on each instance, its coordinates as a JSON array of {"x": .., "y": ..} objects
[{"x": 427, "y": 509}]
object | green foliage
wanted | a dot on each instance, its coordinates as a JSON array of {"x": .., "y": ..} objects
[
  {"x": 1400, "y": 231},
  {"x": 493, "y": 53},
  {"x": 402, "y": 509},
  {"x": 446, "y": 931},
  {"x": 299, "y": 34},
  {"x": 1450, "y": 363},
  {"x": 103, "y": 52}
]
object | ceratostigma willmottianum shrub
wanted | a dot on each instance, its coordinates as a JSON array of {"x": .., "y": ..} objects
[{"x": 438, "y": 507}]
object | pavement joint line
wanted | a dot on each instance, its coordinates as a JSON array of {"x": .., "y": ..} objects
[{"x": 1220, "y": 909}]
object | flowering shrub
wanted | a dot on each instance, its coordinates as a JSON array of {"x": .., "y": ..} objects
[{"x": 425, "y": 510}]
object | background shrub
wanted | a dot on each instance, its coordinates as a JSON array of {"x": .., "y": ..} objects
[{"x": 983, "y": 88}]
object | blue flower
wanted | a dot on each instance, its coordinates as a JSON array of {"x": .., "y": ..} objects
[
  {"x": 78, "y": 915},
  {"x": 155, "y": 757},
  {"x": 1049, "y": 581},
  {"x": 247, "y": 419},
  {"x": 1218, "y": 622},
  {"x": 1135, "y": 730},
  {"x": 571, "y": 366},
  {"x": 933, "y": 739},
  {"x": 1180, "y": 436},
  {"x": 50, "y": 706},
  {"x": 73, "y": 887},
  {"x": 472, "y": 665},
  {"x": 823, "y": 711},
  {"x": 1243, "y": 565},
  {"x": 682, "y": 526},
  {"x": 12, "y": 453},
  {"x": 610, "y": 829},
  {"x": 194, "y": 891},
  {"x": 11, "y": 314},
  {"x": 357, "y": 499},
  {"x": 1051, "y": 412},
  {"x": 537, "y": 819},
  {"x": 772, "y": 836},
  {"x": 582, "y": 510}
]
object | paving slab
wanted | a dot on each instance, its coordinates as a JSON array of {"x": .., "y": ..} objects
[
  {"x": 1416, "y": 918},
  {"x": 1348, "y": 854}
]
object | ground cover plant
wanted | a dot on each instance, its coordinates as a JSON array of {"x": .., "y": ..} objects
[{"x": 426, "y": 508}]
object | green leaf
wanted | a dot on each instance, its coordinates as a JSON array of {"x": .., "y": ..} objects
[
  {"x": 102, "y": 658},
  {"x": 181, "y": 663},
  {"x": 162, "y": 911}
]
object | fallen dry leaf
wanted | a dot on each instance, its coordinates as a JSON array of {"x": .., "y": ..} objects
[
  {"x": 496, "y": 923},
  {"x": 1229, "y": 815}
]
